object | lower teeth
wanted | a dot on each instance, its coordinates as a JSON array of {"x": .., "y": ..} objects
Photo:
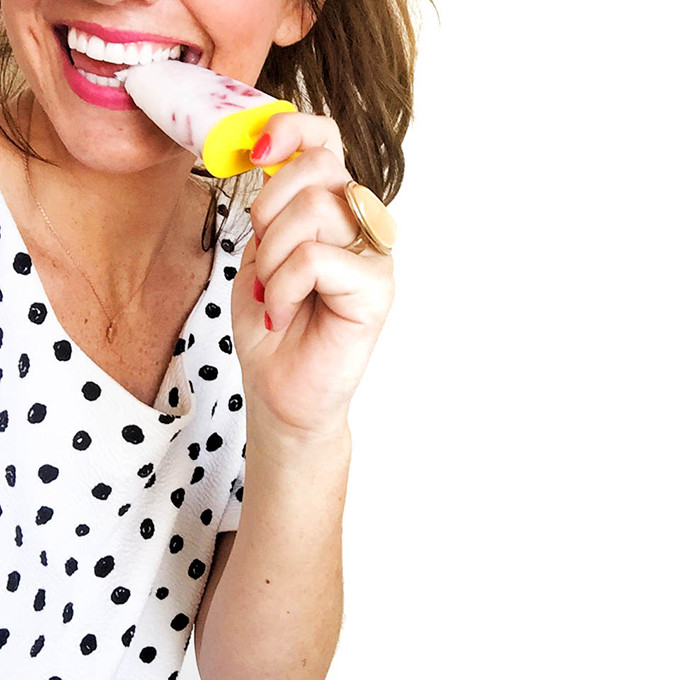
[{"x": 101, "y": 80}]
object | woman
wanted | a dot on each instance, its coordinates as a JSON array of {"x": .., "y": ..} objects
[{"x": 123, "y": 407}]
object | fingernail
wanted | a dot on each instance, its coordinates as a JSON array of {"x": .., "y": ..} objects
[
  {"x": 268, "y": 322},
  {"x": 262, "y": 148},
  {"x": 258, "y": 290}
]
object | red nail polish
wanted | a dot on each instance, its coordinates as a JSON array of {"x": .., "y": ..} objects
[
  {"x": 258, "y": 290},
  {"x": 268, "y": 322},
  {"x": 262, "y": 148}
]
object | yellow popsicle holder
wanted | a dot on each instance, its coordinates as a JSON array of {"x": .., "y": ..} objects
[{"x": 226, "y": 151}]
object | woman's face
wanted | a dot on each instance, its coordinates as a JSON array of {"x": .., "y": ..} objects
[{"x": 233, "y": 36}]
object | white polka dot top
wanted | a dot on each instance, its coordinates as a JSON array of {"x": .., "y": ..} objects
[{"x": 109, "y": 508}]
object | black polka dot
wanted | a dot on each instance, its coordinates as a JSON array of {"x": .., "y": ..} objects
[
  {"x": 212, "y": 411},
  {"x": 180, "y": 622},
  {"x": 82, "y": 530},
  {"x": 151, "y": 482},
  {"x": 4, "y": 636},
  {"x": 44, "y": 515},
  {"x": 214, "y": 442},
  {"x": 18, "y": 537},
  {"x": 173, "y": 676},
  {"x": 39, "y": 600},
  {"x": 176, "y": 544},
  {"x": 37, "y": 413},
  {"x": 235, "y": 402},
  {"x": 148, "y": 654},
  {"x": 126, "y": 639},
  {"x": 208, "y": 372},
  {"x": 133, "y": 434},
  {"x": 67, "y": 614},
  {"x": 239, "y": 495},
  {"x": 162, "y": 593},
  {"x": 37, "y": 646},
  {"x": 206, "y": 517},
  {"x": 71, "y": 566},
  {"x": 166, "y": 418},
  {"x": 177, "y": 497},
  {"x": 212, "y": 311},
  {"x": 43, "y": 558},
  {"x": 147, "y": 528},
  {"x": 194, "y": 451},
  {"x": 13, "y": 580},
  {"x": 192, "y": 340},
  {"x": 227, "y": 245},
  {"x": 102, "y": 491},
  {"x": 48, "y": 473},
  {"x": 104, "y": 566},
  {"x": 123, "y": 509},
  {"x": 226, "y": 344},
  {"x": 62, "y": 350},
  {"x": 145, "y": 470},
  {"x": 196, "y": 569},
  {"x": 88, "y": 644},
  {"x": 173, "y": 397},
  {"x": 4, "y": 420},
  {"x": 180, "y": 346},
  {"x": 120, "y": 595},
  {"x": 37, "y": 313},
  {"x": 22, "y": 263},
  {"x": 11, "y": 475},
  {"x": 24, "y": 365},
  {"x": 81, "y": 440},
  {"x": 230, "y": 273},
  {"x": 91, "y": 391},
  {"x": 198, "y": 475}
]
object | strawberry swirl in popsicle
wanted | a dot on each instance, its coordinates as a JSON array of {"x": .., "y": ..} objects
[{"x": 217, "y": 118}]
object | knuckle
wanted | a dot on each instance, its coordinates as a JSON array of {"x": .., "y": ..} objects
[
  {"x": 257, "y": 214},
  {"x": 320, "y": 158},
  {"x": 314, "y": 200},
  {"x": 281, "y": 121},
  {"x": 306, "y": 254}
]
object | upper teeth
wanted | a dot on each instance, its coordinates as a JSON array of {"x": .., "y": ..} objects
[{"x": 120, "y": 53}]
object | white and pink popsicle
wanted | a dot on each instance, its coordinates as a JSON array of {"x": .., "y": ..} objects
[{"x": 217, "y": 118}]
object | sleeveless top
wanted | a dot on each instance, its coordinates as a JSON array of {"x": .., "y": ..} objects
[{"x": 109, "y": 508}]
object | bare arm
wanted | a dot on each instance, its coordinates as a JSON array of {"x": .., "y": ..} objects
[{"x": 276, "y": 607}]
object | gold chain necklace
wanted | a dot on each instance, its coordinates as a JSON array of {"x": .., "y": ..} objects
[{"x": 110, "y": 330}]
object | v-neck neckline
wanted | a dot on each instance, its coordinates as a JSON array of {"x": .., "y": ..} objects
[{"x": 175, "y": 369}]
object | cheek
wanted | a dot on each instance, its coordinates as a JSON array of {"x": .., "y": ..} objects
[{"x": 241, "y": 33}]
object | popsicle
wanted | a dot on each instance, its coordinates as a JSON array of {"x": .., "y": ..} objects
[{"x": 217, "y": 118}]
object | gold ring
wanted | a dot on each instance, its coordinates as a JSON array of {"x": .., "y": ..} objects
[{"x": 377, "y": 228}]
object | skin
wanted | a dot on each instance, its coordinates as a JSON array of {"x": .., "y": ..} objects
[{"x": 274, "y": 608}]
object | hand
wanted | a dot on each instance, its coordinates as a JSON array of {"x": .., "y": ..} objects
[{"x": 326, "y": 305}]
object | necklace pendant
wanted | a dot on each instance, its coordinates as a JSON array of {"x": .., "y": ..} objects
[{"x": 110, "y": 333}]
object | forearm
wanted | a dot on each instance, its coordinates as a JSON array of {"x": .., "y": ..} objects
[{"x": 277, "y": 610}]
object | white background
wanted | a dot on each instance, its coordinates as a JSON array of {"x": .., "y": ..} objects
[{"x": 513, "y": 508}]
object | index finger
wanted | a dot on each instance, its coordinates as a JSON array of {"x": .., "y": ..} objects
[{"x": 286, "y": 133}]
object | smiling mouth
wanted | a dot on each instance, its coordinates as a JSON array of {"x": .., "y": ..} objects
[{"x": 126, "y": 54}]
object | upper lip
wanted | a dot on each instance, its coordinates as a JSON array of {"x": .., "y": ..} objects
[{"x": 113, "y": 35}]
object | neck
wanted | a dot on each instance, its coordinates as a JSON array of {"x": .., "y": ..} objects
[{"x": 113, "y": 224}]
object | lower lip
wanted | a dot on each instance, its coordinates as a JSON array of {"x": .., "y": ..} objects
[{"x": 106, "y": 97}]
